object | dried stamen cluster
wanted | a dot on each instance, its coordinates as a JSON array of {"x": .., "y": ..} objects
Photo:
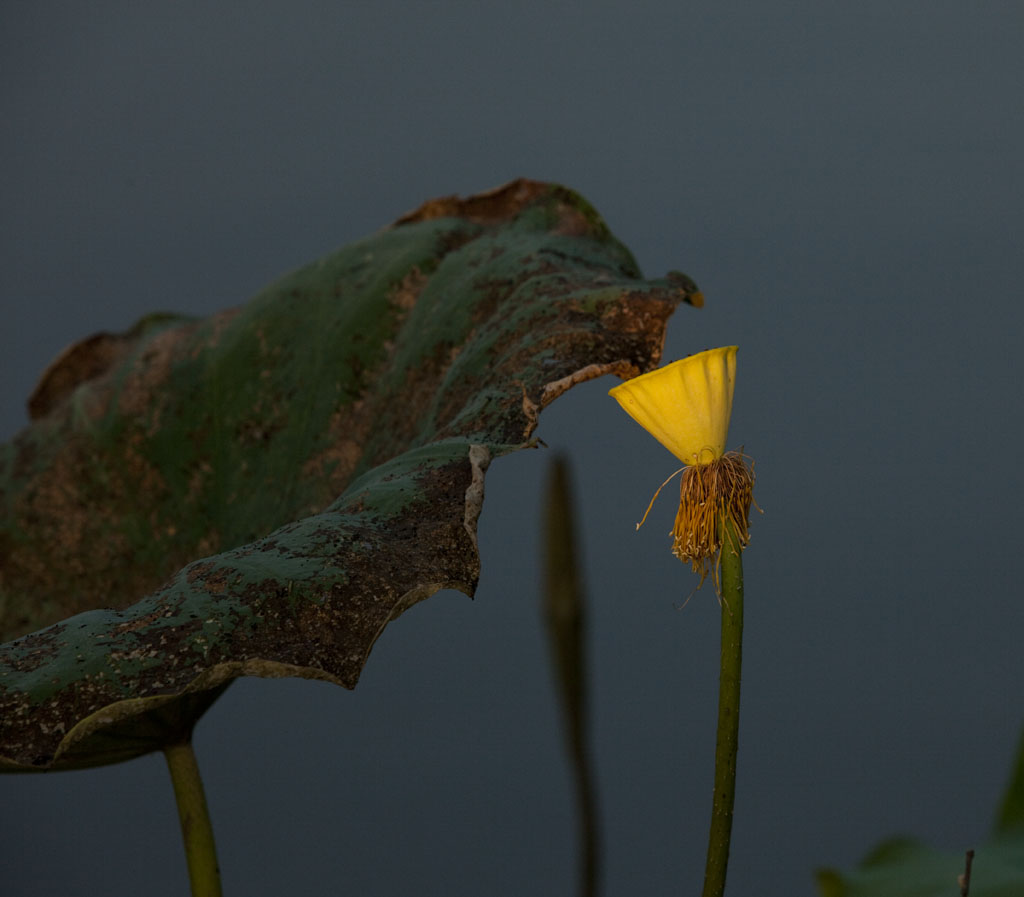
[{"x": 721, "y": 490}]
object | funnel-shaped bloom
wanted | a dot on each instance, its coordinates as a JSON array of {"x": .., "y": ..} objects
[{"x": 685, "y": 405}]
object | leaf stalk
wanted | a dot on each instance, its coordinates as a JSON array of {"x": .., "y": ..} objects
[{"x": 196, "y": 828}]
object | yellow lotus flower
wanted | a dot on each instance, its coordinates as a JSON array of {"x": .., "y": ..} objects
[{"x": 686, "y": 406}]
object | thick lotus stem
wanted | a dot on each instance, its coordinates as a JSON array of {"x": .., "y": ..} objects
[{"x": 727, "y": 739}]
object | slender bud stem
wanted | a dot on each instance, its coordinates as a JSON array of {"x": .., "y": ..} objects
[
  {"x": 200, "y": 850},
  {"x": 727, "y": 740},
  {"x": 565, "y": 614}
]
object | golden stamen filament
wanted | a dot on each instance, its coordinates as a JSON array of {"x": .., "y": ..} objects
[{"x": 709, "y": 494}]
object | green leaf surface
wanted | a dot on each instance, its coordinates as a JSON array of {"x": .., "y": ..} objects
[
  {"x": 283, "y": 479},
  {"x": 903, "y": 867}
]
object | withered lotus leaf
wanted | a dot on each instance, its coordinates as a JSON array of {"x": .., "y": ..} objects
[{"x": 260, "y": 492}]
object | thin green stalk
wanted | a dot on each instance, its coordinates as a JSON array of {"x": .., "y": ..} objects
[
  {"x": 566, "y": 624},
  {"x": 727, "y": 741},
  {"x": 196, "y": 830}
]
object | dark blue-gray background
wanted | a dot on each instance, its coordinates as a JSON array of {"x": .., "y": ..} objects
[{"x": 844, "y": 182}]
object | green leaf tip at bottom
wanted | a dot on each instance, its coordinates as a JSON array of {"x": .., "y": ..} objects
[
  {"x": 283, "y": 479},
  {"x": 903, "y": 867}
]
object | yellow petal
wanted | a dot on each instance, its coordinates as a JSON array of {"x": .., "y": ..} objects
[{"x": 685, "y": 405}]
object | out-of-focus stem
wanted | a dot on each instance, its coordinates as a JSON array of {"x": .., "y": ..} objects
[{"x": 565, "y": 617}]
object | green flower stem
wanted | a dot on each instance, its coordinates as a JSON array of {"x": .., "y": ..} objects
[
  {"x": 728, "y": 714},
  {"x": 200, "y": 850}
]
